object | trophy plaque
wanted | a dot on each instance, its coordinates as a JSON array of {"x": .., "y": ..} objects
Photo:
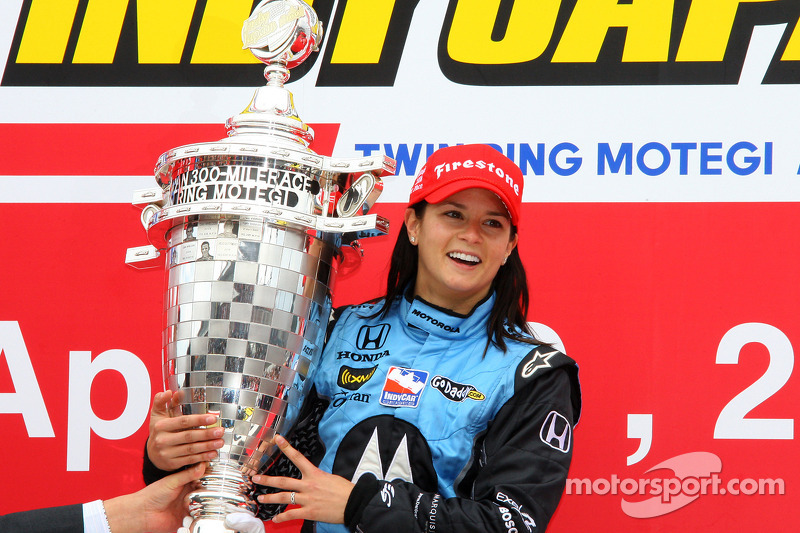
[{"x": 251, "y": 231}]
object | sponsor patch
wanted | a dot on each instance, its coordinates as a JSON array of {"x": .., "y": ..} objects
[
  {"x": 387, "y": 494},
  {"x": 372, "y": 337},
  {"x": 537, "y": 360},
  {"x": 354, "y": 378},
  {"x": 362, "y": 357},
  {"x": 556, "y": 432},
  {"x": 340, "y": 398},
  {"x": 526, "y": 518},
  {"x": 435, "y": 321},
  {"x": 403, "y": 387},
  {"x": 457, "y": 392}
]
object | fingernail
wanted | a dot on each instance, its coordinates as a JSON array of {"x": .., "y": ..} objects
[
  {"x": 218, "y": 432},
  {"x": 210, "y": 419},
  {"x": 279, "y": 440}
]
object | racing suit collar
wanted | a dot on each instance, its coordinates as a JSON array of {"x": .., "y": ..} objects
[{"x": 442, "y": 322}]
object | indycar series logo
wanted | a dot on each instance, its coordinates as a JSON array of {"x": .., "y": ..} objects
[{"x": 403, "y": 387}]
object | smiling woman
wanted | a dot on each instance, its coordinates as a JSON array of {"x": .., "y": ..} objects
[
  {"x": 469, "y": 185},
  {"x": 463, "y": 242},
  {"x": 433, "y": 408}
]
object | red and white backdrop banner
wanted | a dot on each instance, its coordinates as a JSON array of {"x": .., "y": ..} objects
[{"x": 658, "y": 142}]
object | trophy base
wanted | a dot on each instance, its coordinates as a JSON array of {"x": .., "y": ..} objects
[
  {"x": 225, "y": 489},
  {"x": 210, "y": 525}
]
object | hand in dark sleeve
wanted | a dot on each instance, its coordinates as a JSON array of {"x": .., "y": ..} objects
[{"x": 177, "y": 442}]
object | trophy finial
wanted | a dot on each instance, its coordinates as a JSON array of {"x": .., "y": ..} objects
[{"x": 281, "y": 34}]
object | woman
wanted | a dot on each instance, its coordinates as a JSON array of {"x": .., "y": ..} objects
[{"x": 439, "y": 409}]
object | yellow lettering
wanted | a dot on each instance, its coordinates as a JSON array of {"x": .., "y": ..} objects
[
  {"x": 362, "y": 32},
  {"x": 100, "y": 31},
  {"x": 220, "y": 37},
  {"x": 648, "y": 24},
  {"x": 162, "y": 29},
  {"x": 708, "y": 29},
  {"x": 47, "y": 30},
  {"x": 792, "y": 52},
  {"x": 529, "y": 30}
]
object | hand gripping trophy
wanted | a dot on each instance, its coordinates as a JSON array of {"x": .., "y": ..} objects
[{"x": 252, "y": 230}]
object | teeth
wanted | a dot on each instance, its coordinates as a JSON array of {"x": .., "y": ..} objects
[{"x": 464, "y": 257}]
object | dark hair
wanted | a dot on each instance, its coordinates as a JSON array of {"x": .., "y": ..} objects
[{"x": 507, "y": 319}]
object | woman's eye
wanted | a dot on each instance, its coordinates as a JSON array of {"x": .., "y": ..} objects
[
  {"x": 494, "y": 223},
  {"x": 452, "y": 214}
]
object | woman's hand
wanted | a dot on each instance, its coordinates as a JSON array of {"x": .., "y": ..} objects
[
  {"x": 317, "y": 496},
  {"x": 178, "y": 441}
]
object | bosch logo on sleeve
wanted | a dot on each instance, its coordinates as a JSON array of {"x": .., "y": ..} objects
[{"x": 403, "y": 387}]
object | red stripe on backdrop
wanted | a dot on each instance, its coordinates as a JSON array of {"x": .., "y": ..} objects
[{"x": 110, "y": 149}]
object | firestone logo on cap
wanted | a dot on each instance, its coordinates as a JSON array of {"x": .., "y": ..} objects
[
  {"x": 481, "y": 165},
  {"x": 455, "y": 168}
]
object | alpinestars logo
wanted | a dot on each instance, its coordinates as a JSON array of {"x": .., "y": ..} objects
[{"x": 539, "y": 360}]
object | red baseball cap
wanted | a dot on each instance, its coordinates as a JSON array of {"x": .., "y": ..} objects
[{"x": 456, "y": 168}]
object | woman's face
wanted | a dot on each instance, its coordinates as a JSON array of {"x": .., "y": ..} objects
[{"x": 462, "y": 243}]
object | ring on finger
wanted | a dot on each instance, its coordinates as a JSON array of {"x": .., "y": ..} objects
[{"x": 291, "y": 498}]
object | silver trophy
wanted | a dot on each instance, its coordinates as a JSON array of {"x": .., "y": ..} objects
[{"x": 252, "y": 230}]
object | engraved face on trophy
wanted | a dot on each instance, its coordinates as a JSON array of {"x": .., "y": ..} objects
[{"x": 252, "y": 236}]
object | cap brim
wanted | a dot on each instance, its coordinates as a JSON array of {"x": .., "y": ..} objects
[{"x": 451, "y": 187}]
